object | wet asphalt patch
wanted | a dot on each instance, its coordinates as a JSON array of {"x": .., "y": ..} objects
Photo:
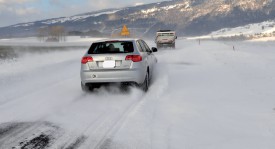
[
  {"x": 29, "y": 135},
  {"x": 40, "y": 142}
]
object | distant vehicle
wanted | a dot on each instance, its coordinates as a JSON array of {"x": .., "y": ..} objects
[
  {"x": 166, "y": 38},
  {"x": 125, "y": 61}
]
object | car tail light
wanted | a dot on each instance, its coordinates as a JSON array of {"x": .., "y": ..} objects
[
  {"x": 134, "y": 58},
  {"x": 86, "y": 59}
]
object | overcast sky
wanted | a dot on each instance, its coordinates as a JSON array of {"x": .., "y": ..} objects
[{"x": 19, "y": 11}]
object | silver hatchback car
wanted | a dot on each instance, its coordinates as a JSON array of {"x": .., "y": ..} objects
[{"x": 123, "y": 61}]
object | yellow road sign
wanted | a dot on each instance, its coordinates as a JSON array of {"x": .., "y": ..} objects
[{"x": 125, "y": 31}]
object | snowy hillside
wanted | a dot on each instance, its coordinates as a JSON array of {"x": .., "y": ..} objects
[
  {"x": 250, "y": 29},
  {"x": 187, "y": 17},
  {"x": 80, "y": 17},
  {"x": 203, "y": 96}
]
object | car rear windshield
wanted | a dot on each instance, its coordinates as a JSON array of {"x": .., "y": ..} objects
[
  {"x": 111, "y": 47},
  {"x": 166, "y": 34}
]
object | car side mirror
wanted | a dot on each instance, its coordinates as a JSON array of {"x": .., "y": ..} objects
[
  {"x": 154, "y": 49},
  {"x": 176, "y": 37}
]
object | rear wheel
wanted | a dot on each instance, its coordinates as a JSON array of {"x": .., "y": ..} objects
[
  {"x": 159, "y": 46},
  {"x": 145, "y": 84},
  {"x": 84, "y": 87},
  {"x": 174, "y": 45}
]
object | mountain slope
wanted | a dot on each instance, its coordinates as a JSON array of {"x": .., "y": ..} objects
[{"x": 187, "y": 17}]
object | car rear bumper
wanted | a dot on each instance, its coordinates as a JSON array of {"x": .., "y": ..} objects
[{"x": 113, "y": 76}]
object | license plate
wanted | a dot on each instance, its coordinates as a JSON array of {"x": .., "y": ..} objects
[{"x": 109, "y": 64}]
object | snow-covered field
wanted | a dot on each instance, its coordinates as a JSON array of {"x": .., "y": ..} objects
[
  {"x": 266, "y": 27},
  {"x": 250, "y": 29},
  {"x": 202, "y": 97}
]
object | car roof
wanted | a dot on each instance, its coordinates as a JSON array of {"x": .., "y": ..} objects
[
  {"x": 167, "y": 32},
  {"x": 117, "y": 39}
]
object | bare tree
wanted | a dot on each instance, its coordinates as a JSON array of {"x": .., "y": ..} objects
[
  {"x": 53, "y": 33},
  {"x": 42, "y": 33},
  {"x": 58, "y": 32}
]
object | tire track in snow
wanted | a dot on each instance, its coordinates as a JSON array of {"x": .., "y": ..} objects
[
  {"x": 147, "y": 106},
  {"x": 101, "y": 131},
  {"x": 116, "y": 125},
  {"x": 157, "y": 89},
  {"x": 95, "y": 127},
  {"x": 77, "y": 143},
  {"x": 104, "y": 126}
]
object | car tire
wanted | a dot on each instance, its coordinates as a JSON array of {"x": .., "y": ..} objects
[
  {"x": 84, "y": 87},
  {"x": 159, "y": 46},
  {"x": 145, "y": 84},
  {"x": 174, "y": 45}
]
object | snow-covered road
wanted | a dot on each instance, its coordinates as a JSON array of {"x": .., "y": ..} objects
[{"x": 202, "y": 96}]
